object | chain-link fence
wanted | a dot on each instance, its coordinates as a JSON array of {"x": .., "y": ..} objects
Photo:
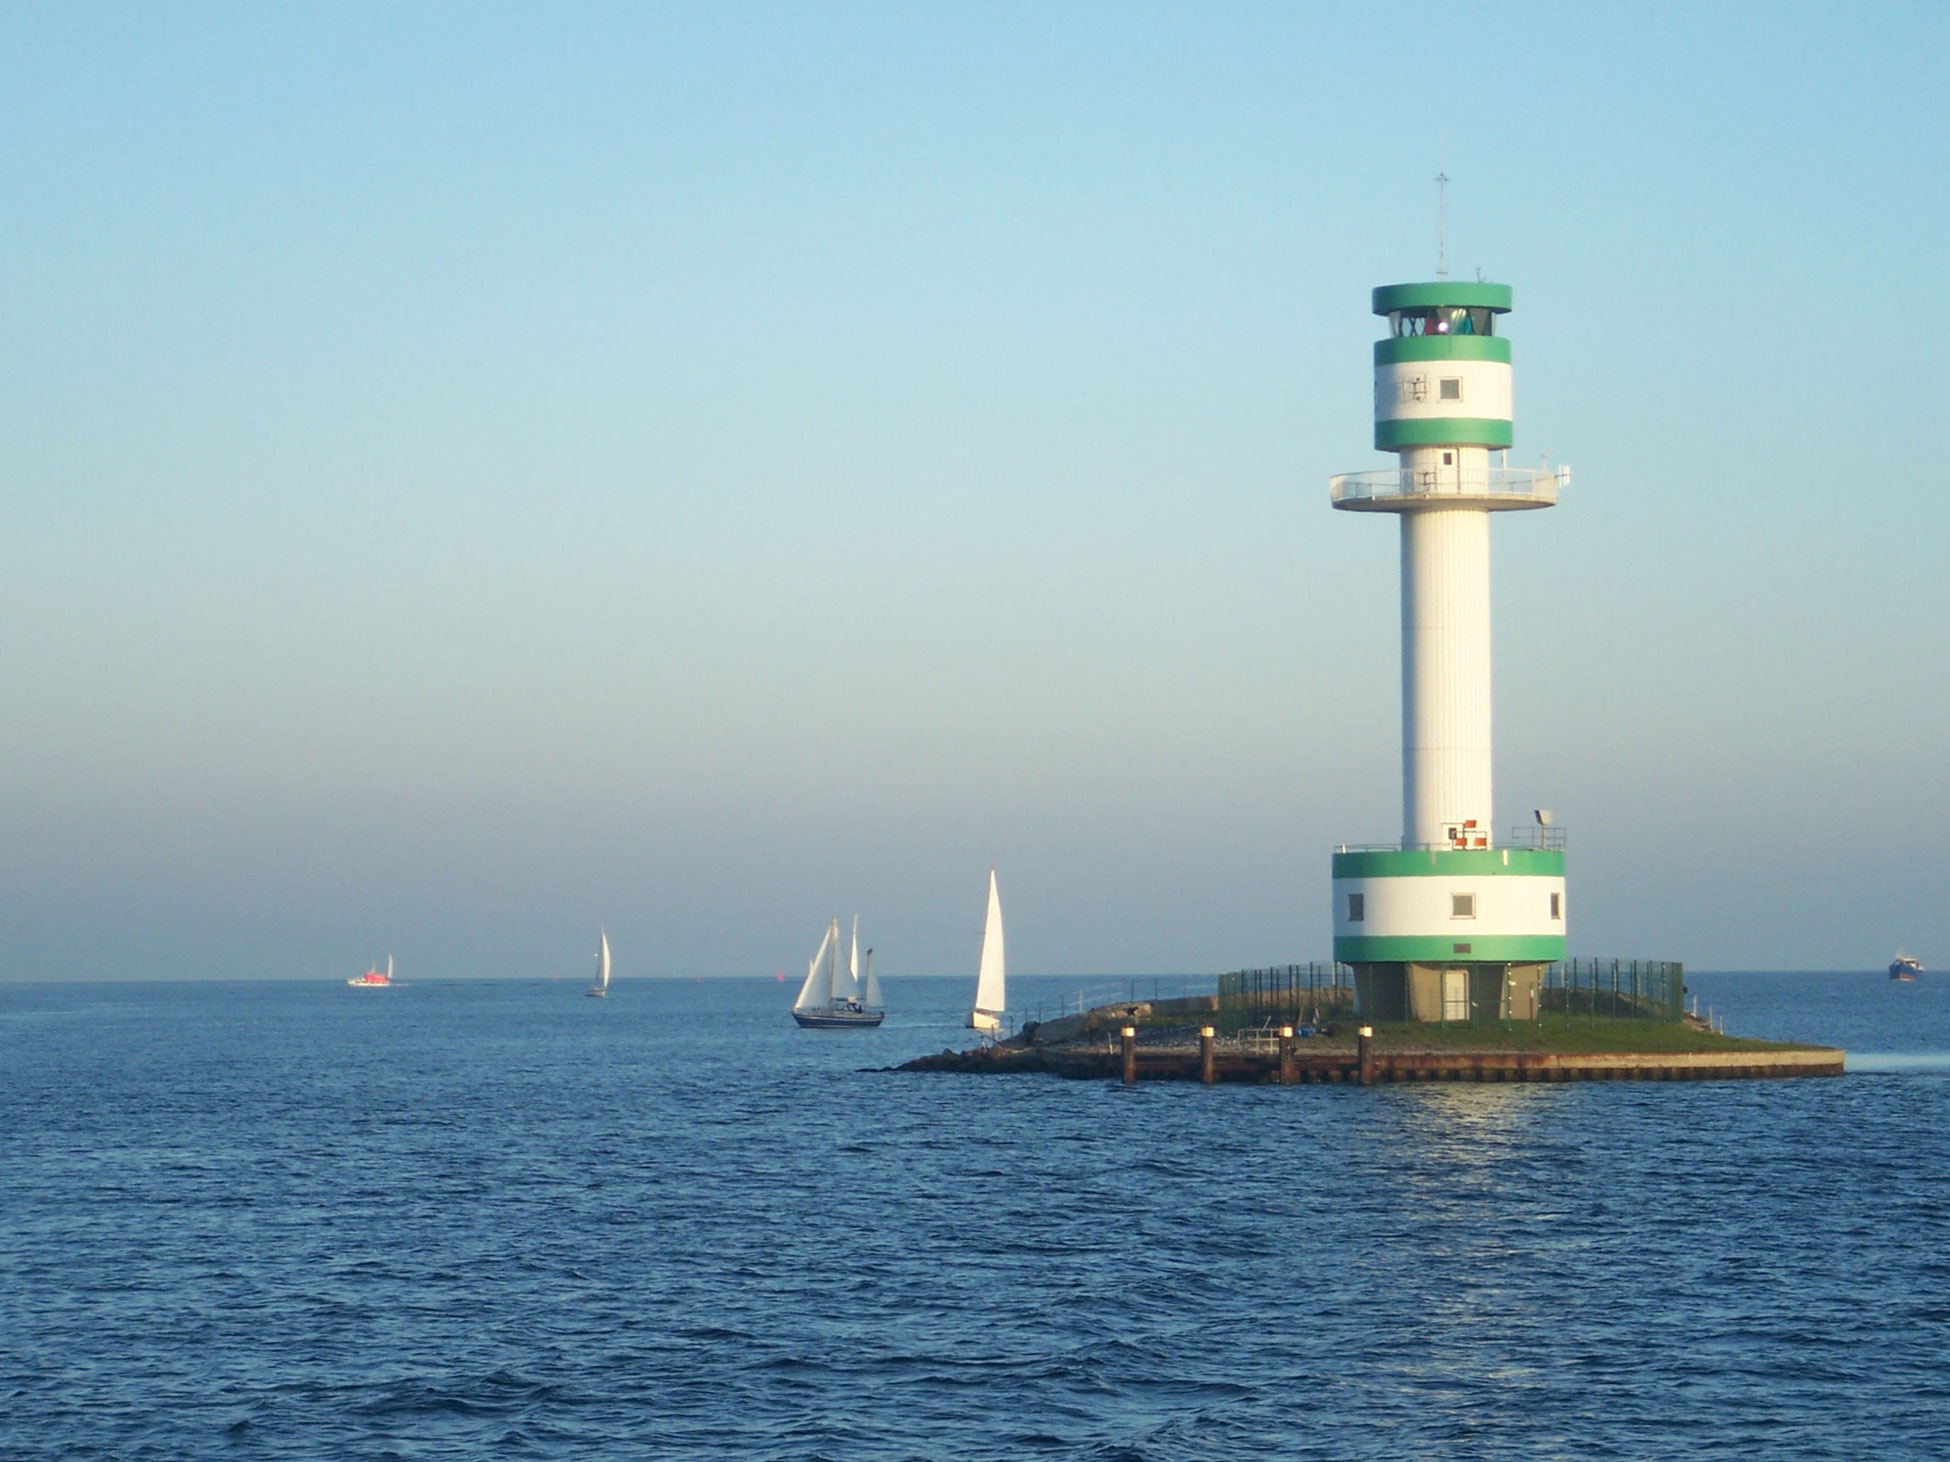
[
  {"x": 1574, "y": 989},
  {"x": 1616, "y": 989},
  {"x": 1296, "y": 995}
]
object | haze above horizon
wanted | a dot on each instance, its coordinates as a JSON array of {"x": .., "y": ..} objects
[{"x": 479, "y": 473}]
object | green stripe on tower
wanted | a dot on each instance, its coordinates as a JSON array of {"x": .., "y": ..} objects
[
  {"x": 1442, "y": 431},
  {"x": 1452, "y": 292},
  {"x": 1447, "y": 863},
  {"x": 1426, "y": 949},
  {"x": 1395, "y": 350}
]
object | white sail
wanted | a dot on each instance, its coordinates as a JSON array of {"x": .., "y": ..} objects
[
  {"x": 989, "y": 998},
  {"x": 870, "y": 989},
  {"x": 818, "y": 989},
  {"x": 602, "y": 963},
  {"x": 846, "y": 979},
  {"x": 389, "y": 969}
]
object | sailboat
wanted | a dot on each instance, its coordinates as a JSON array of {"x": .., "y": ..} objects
[
  {"x": 836, "y": 999},
  {"x": 986, "y": 1017},
  {"x": 372, "y": 979},
  {"x": 601, "y": 987}
]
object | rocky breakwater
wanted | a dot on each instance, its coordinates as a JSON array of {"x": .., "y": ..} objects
[{"x": 1076, "y": 1045}]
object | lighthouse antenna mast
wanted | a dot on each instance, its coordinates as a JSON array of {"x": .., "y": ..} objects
[{"x": 1442, "y": 224}]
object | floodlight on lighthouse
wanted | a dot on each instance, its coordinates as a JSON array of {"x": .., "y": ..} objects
[{"x": 1545, "y": 817}]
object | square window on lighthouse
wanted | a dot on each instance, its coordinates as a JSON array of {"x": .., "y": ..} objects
[
  {"x": 1462, "y": 905},
  {"x": 1357, "y": 908},
  {"x": 1451, "y": 388}
]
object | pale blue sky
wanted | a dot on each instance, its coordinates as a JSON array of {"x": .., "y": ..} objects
[{"x": 474, "y": 472}]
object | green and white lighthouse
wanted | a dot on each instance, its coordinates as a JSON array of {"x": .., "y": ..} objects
[{"x": 1451, "y": 922}]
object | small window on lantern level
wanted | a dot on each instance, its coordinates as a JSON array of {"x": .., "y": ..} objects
[
  {"x": 1557, "y": 906},
  {"x": 1357, "y": 908},
  {"x": 1450, "y": 389}
]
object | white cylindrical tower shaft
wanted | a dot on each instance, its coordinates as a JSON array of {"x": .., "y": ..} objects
[{"x": 1446, "y": 776}]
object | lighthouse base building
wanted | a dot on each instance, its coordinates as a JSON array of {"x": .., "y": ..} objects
[
  {"x": 1451, "y": 934},
  {"x": 1452, "y": 923}
]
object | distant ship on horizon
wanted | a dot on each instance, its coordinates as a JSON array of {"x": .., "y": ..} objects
[
  {"x": 373, "y": 979},
  {"x": 1905, "y": 968}
]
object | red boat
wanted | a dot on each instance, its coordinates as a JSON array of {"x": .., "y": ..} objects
[{"x": 374, "y": 977}]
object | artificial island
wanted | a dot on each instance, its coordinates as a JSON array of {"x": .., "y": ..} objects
[{"x": 1450, "y": 949}]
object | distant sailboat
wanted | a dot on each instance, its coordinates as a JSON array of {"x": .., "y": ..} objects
[
  {"x": 832, "y": 998},
  {"x": 372, "y": 979},
  {"x": 989, "y": 998},
  {"x": 601, "y": 987}
]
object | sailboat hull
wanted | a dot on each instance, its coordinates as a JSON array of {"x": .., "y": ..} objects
[{"x": 838, "y": 1018}]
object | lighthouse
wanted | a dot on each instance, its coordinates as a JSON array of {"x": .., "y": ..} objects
[{"x": 1453, "y": 922}]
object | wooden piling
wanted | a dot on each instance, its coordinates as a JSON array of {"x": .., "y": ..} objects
[
  {"x": 1205, "y": 1072},
  {"x": 1287, "y": 1072},
  {"x": 1366, "y": 1055},
  {"x": 1130, "y": 1055}
]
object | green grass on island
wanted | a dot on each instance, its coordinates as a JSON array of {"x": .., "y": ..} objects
[
  {"x": 1562, "y": 1034},
  {"x": 1554, "y": 1031}
]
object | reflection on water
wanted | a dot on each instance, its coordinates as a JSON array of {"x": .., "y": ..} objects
[{"x": 458, "y": 1220}]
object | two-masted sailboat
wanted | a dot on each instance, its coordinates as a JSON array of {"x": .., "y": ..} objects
[
  {"x": 990, "y": 1001},
  {"x": 601, "y": 987},
  {"x": 839, "y": 999}
]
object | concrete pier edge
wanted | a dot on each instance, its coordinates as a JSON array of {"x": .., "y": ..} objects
[{"x": 1108, "y": 1063}]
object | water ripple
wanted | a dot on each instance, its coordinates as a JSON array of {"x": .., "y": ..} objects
[{"x": 285, "y": 1222}]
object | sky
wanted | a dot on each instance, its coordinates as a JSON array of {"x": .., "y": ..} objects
[{"x": 473, "y": 473}]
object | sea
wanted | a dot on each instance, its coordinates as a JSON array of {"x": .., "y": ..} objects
[{"x": 498, "y": 1219}]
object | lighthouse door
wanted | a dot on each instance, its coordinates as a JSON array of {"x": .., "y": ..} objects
[{"x": 1455, "y": 994}]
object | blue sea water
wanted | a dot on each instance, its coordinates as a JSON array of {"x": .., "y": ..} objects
[{"x": 497, "y": 1219}]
